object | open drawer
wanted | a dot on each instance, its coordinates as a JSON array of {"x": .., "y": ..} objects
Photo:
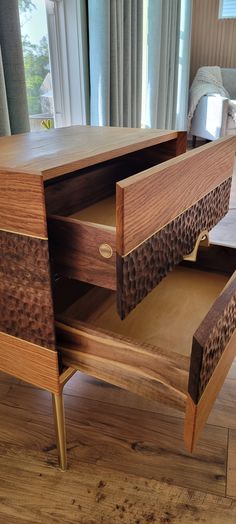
[
  {"x": 175, "y": 347},
  {"x": 128, "y": 238}
]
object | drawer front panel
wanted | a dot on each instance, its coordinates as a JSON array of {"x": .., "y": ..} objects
[
  {"x": 77, "y": 250},
  {"x": 148, "y": 201},
  {"x": 213, "y": 351},
  {"x": 142, "y": 269},
  {"x": 211, "y": 339}
]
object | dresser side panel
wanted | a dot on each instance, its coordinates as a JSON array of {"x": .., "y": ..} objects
[
  {"x": 26, "y": 308},
  {"x": 22, "y": 206}
]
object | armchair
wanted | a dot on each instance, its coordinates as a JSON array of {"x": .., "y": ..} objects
[{"x": 213, "y": 117}]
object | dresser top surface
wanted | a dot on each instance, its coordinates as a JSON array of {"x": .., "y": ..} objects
[{"x": 60, "y": 151}]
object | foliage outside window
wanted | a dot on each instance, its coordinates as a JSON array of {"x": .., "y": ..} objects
[{"x": 36, "y": 62}]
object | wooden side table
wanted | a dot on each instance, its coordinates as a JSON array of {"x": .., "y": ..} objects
[{"x": 91, "y": 220}]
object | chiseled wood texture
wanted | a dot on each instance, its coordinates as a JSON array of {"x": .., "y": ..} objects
[
  {"x": 29, "y": 362},
  {"x": 211, "y": 339},
  {"x": 142, "y": 368},
  {"x": 144, "y": 267},
  {"x": 181, "y": 182},
  {"x": 74, "y": 251},
  {"x": 22, "y": 207},
  {"x": 26, "y": 309},
  {"x": 67, "y": 149},
  {"x": 197, "y": 413}
]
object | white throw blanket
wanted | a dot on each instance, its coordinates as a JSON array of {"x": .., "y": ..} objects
[
  {"x": 208, "y": 80},
  {"x": 232, "y": 110}
]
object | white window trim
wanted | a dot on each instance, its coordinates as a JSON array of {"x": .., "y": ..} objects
[
  {"x": 68, "y": 65},
  {"x": 220, "y": 15}
]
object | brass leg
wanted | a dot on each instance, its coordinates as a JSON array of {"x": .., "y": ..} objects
[{"x": 59, "y": 420}]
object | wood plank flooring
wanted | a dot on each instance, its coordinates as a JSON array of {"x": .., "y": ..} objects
[{"x": 127, "y": 462}]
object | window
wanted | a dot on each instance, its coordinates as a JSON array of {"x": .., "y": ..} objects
[
  {"x": 67, "y": 35},
  {"x": 34, "y": 34},
  {"x": 227, "y": 9}
]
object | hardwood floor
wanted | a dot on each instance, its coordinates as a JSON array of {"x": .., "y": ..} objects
[{"x": 127, "y": 462}]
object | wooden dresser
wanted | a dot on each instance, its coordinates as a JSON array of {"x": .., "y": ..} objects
[{"x": 91, "y": 220}]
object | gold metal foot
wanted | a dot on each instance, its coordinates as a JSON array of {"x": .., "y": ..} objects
[{"x": 59, "y": 419}]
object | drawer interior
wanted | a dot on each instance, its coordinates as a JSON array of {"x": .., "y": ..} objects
[
  {"x": 81, "y": 212},
  {"x": 161, "y": 351},
  {"x": 79, "y": 189},
  {"x": 120, "y": 228},
  {"x": 102, "y": 212},
  {"x": 166, "y": 318}
]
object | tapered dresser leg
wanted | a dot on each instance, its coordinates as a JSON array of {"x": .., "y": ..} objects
[{"x": 60, "y": 428}]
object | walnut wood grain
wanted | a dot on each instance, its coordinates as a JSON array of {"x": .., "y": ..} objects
[
  {"x": 155, "y": 155},
  {"x": 65, "y": 150},
  {"x": 197, "y": 413},
  {"x": 29, "y": 362},
  {"x": 142, "y": 269},
  {"x": 26, "y": 309},
  {"x": 142, "y": 199},
  {"x": 211, "y": 339},
  {"x": 22, "y": 208},
  {"x": 68, "y": 195},
  {"x": 142, "y": 368},
  {"x": 74, "y": 249},
  {"x": 75, "y": 191}
]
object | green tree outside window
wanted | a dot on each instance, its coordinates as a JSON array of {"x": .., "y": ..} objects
[{"x": 36, "y": 62}]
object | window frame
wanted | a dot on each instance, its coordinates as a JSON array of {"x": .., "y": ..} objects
[
  {"x": 220, "y": 14},
  {"x": 68, "y": 61}
]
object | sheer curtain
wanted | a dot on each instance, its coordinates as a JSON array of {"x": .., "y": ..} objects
[
  {"x": 116, "y": 48},
  {"x": 104, "y": 50},
  {"x": 115, "y": 51},
  {"x": 13, "y": 102},
  {"x": 168, "y": 57}
]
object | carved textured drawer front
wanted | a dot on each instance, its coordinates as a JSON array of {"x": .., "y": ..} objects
[
  {"x": 130, "y": 240},
  {"x": 144, "y": 267}
]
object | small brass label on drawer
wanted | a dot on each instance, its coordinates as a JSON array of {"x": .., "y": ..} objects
[{"x": 105, "y": 250}]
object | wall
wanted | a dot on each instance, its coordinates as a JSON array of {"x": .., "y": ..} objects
[{"x": 213, "y": 40}]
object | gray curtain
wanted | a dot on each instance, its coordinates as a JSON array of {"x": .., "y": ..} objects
[
  {"x": 169, "y": 29},
  {"x": 115, "y": 56},
  {"x": 13, "y": 102}
]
